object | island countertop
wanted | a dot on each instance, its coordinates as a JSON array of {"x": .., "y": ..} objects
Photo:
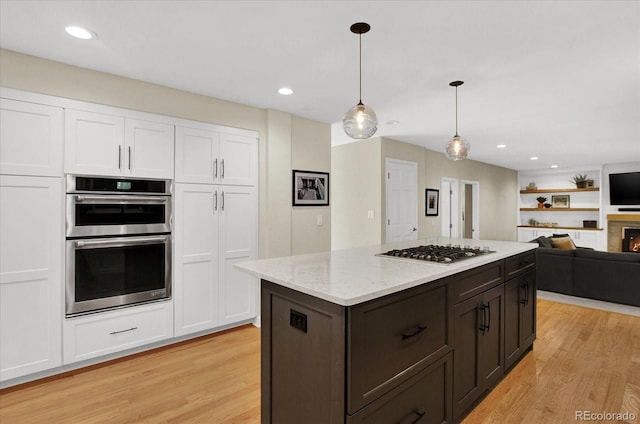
[{"x": 352, "y": 276}]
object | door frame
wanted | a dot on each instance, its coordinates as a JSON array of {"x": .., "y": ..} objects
[
  {"x": 475, "y": 219},
  {"x": 450, "y": 207}
]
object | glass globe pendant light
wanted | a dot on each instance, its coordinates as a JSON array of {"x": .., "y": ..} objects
[
  {"x": 360, "y": 121},
  {"x": 458, "y": 148}
]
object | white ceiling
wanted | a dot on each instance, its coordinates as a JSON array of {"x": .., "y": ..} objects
[{"x": 555, "y": 79}]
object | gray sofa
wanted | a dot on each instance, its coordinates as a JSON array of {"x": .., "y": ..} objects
[{"x": 608, "y": 276}]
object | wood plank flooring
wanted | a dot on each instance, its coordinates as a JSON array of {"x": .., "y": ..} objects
[{"x": 584, "y": 360}]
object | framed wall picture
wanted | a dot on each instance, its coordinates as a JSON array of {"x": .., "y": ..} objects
[
  {"x": 432, "y": 199},
  {"x": 560, "y": 201},
  {"x": 310, "y": 188}
]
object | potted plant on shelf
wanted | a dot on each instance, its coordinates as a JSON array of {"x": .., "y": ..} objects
[
  {"x": 580, "y": 180},
  {"x": 541, "y": 201}
]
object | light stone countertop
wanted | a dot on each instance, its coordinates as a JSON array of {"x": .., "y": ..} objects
[{"x": 351, "y": 276}]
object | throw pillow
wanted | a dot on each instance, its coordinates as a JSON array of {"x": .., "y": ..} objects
[{"x": 562, "y": 242}]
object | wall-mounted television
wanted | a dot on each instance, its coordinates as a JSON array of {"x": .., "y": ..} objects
[{"x": 624, "y": 188}]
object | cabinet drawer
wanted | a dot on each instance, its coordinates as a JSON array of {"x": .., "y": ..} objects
[
  {"x": 520, "y": 264},
  {"x": 392, "y": 338},
  {"x": 469, "y": 283},
  {"x": 100, "y": 334},
  {"x": 425, "y": 398}
]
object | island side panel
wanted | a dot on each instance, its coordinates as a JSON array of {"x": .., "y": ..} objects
[{"x": 303, "y": 363}]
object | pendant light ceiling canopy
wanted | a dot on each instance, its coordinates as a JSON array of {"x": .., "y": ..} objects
[
  {"x": 458, "y": 148},
  {"x": 360, "y": 122}
]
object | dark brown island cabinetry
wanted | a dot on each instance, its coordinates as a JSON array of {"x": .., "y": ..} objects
[{"x": 421, "y": 355}]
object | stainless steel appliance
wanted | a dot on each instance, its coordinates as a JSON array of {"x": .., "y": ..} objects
[
  {"x": 436, "y": 253},
  {"x": 118, "y": 247}
]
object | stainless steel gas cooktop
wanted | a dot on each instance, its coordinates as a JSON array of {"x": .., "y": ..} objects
[{"x": 439, "y": 254}]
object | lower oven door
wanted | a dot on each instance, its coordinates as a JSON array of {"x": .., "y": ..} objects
[{"x": 116, "y": 271}]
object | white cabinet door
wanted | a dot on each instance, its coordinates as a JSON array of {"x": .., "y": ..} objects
[
  {"x": 31, "y": 138},
  {"x": 93, "y": 143},
  {"x": 238, "y": 160},
  {"x": 586, "y": 238},
  {"x": 149, "y": 149},
  {"x": 196, "y": 155},
  {"x": 238, "y": 242},
  {"x": 526, "y": 234},
  {"x": 196, "y": 258},
  {"x": 99, "y": 144},
  {"x": 31, "y": 290},
  {"x": 108, "y": 332}
]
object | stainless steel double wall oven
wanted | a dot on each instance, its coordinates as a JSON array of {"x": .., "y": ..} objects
[{"x": 118, "y": 247}]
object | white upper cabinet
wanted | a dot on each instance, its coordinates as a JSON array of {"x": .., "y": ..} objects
[
  {"x": 31, "y": 137},
  {"x": 100, "y": 144},
  {"x": 210, "y": 155},
  {"x": 149, "y": 148},
  {"x": 238, "y": 160},
  {"x": 196, "y": 155}
]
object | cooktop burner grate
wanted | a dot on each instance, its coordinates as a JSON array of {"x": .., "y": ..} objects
[{"x": 440, "y": 254}]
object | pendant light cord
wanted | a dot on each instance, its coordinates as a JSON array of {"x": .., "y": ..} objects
[
  {"x": 360, "y": 49},
  {"x": 457, "y": 111}
]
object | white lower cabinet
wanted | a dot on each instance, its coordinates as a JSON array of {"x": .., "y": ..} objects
[
  {"x": 31, "y": 290},
  {"x": 215, "y": 226},
  {"x": 100, "y": 334},
  {"x": 581, "y": 238}
]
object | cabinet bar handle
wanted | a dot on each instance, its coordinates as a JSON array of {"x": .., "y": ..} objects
[
  {"x": 489, "y": 324},
  {"x": 215, "y": 168},
  {"x": 123, "y": 331},
  {"x": 215, "y": 200},
  {"x": 129, "y": 158},
  {"x": 419, "y": 329},
  {"x": 119, "y": 157},
  {"x": 222, "y": 168},
  {"x": 483, "y": 327},
  {"x": 222, "y": 200},
  {"x": 418, "y": 414}
]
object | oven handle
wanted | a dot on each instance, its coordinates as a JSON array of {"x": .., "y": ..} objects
[
  {"x": 120, "y": 199},
  {"x": 122, "y": 241}
]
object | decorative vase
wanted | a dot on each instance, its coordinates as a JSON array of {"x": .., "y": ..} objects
[
  {"x": 540, "y": 205},
  {"x": 581, "y": 184}
]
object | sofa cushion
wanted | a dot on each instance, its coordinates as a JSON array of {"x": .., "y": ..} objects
[
  {"x": 542, "y": 241},
  {"x": 608, "y": 256},
  {"x": 562, "y": 242}
]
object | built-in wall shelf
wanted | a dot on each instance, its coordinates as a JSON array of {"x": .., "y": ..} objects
[
  {"x": 559, "y": 190},
  {"x": 560, "y": 228},
  {"x": 559, "y": 209}
]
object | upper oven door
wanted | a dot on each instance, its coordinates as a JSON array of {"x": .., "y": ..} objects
[{"x": 112, "y": 214}]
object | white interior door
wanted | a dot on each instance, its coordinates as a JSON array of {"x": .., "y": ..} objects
[
  {"x": 402, "y": 200},
  {"x": 449, "y": 199}
]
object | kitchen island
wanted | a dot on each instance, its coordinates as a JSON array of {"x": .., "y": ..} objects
[{"x": 349, "y": 336}]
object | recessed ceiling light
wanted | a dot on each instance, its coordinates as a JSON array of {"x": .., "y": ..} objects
[
  {"x": 285, "y": 91},
  {"x": 79, "y": 32},
  {"x": 554, "y": 166},
  {"x": 501, "y": 146},
  {"x": 534, "y": 158}
]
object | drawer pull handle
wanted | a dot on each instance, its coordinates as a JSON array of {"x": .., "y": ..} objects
[
  {"x": 123, "y": 331},
  {"x": 419, "y": 414},
  {"x": 419, "y": 329}
]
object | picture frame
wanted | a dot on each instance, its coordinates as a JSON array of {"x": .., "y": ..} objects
[
  {"x": 432, "y": 201},
  {"x": 310, "y": 188},
  {"x": 560, "y": 201}
]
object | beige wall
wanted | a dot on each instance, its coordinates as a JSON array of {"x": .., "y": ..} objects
[
  {"x": 285, "y": 140},
  {"x": 363, "y": 163},
  {"x": 355, "y": 190}
]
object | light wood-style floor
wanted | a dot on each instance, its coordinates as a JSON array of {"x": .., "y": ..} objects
[{"x": 583, "y": 360}]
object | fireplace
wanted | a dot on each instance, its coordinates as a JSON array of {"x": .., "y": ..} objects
[
  {"x": 616, "y": 224},
  {"x": 631, "y": 239}
]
